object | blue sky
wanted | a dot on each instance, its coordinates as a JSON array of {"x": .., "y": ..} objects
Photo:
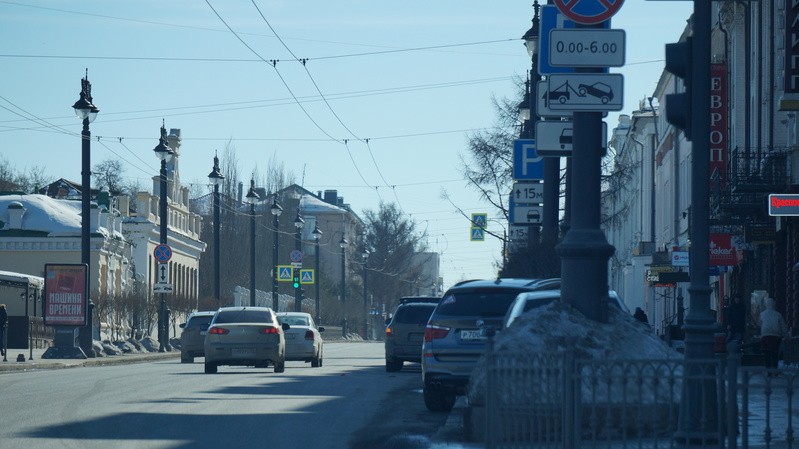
[{"x": 381, "y": 81}]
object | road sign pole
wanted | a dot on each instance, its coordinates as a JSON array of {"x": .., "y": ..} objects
[{"x": 584, "y": 251}]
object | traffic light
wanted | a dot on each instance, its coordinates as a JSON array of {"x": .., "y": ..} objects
[
  {"x": 678, "y": 106},
  {"x": 295, "y": 278}
]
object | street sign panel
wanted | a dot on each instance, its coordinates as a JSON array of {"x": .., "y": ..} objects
[
  {"x": 306, "y": 276},
  {"x": 162, "y": 253},
  {"x": 296, "y": 265},
  {"x": 551, "y": 18},
  {"x": 284, "y": 273},
  {"x": 477, "y": 234},
  {"x": 528, "y": 192},
  {"x": 526, "y": 163},
  {"x": 162, "y": 273},
  {"x": 479, "y": 220},
  {"x": 295, "y": 255},
  {"x": 783, "y": 205},
  {"x": 589, "y": 12},
  {"x": 163, "y": 287},
  {"x": 528, "y": 215},
  {"x": 586, "y": 92},
  {"x": 518, "y": 233},
  {"x": 586, "y": 47},
  {"x": 554, "y": 138}
]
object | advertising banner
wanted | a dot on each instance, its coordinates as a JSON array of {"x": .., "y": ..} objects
[
  {"x": 722, "y": 251},
  {"x": 66, "y": 293}
]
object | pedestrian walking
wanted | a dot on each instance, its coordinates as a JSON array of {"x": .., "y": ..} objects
[
  {"x": 736, "y": 320},
  {"x": 3, "y": 327},
  {"x": 772, "y": 330},
  {"x": 640, "y": 315}
]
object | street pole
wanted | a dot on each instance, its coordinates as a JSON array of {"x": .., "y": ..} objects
[
  {"x": 298, "y": 224},
  {"x": 252, "y": 198},
  {"x": 276, "y": 211},
  {"x": 584, "y": 251},
  {"x": 317, "y": 235},
  {"x": 87, "y": 112},
  {"x": 698, "y": 408},
  {"x": 343, "y": 244},
  {"x": 365, "y": 296},
  {"x": 216, "y": 178},
  {"x": 164, "y": 153}
]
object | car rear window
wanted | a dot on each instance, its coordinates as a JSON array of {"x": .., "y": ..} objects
[
  {"x": 414, "y": 314},
  {"x": 199, "y": 320},
  {"x": 294, "y": 320},
  {"x": 243, "y": 316},
  {"x": 483, "y": 302}
]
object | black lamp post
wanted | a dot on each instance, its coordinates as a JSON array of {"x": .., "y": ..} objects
[
  {"x": 343, "y": 245},
  {"x": 165, "y": 154},
  {"x": 365, "y": 296},
  {"x": 252, "y": 198},
  {"x": 87, "y": 112},
  {"x": 317, "y": 235},
  {"x": 276, "y": 211},
  {"x": 216, "y": 177},
  {"x": 298, "y": 224}
]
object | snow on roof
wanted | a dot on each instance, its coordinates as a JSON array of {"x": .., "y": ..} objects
[
  {"x": 22, "y": 278},
  {"x": 42, "y": 213},
  {"x": 310, "y": 204}
]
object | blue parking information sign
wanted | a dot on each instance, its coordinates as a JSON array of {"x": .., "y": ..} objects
[{"x": 527, "y": 164}]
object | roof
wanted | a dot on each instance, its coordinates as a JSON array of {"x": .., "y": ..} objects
[
  {"x": 56, "y": 217},
  {"x": 493, "y": 283},
  {"x": 21, "y": 278}
]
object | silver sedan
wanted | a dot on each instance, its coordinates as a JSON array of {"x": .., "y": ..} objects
[
  {"x": 303, "y": 339},
  {"x": 248, "y": 336}
]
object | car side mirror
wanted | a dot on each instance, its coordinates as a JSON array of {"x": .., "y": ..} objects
[
  {"x": 321, "y": 329},
  {"x": 182, "y": 325},
  {"x": 285, "y": 326}
]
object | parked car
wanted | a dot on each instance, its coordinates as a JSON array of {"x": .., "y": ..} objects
[
  {"x": 303, "y": 339},
  {"x": 530, "y": 300},
  {"x": 192, "y": 337},
  {"x": 405, "y": 330},
  {"x": 454, "y": 337},
  {"x": 245, "y": 336}
]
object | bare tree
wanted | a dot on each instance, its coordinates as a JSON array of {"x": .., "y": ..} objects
[{"x": 108, "y": 175}]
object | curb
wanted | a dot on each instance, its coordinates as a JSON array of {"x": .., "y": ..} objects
[{"x": 42, "y": 364}]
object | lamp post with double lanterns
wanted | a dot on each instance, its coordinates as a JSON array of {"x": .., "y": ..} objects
[
  {"x": 365, "y": 296},
  {"x": 216, "y": 178},
  {"x": 317, "y": 235},
  {"x": 164, "y": 153},
  {"x": 276, "y": 210},
  {"x": 343, "y": 245},
  {"x": 298, "y": 224},
  {"x": 252, "y": 199},
  {"x": 87, "y": 112}
]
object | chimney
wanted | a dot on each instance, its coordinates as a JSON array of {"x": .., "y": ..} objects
[
  {"x": 330, "y": 197},
  {"x": 143, "y": 205},
  {"x": 94, "y": 223},
  {"x": 15, "y": 212},
  {"x": 123, "y": 203}
]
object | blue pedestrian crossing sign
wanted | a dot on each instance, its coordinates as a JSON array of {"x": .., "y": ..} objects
[
  {"x": 306, "y": 276},
  {"x": 284, "y": 273},
  {"x": 478, "y": 234},
  {"x": 479, "y": 220}
]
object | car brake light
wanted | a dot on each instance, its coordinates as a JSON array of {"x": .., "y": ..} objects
[
  {"x": 389, "y": 332},
  {"x": 268, "y": 330},
  {"x": 218, "y": 331},
  {"x": 433, "y": 332},
  {"x": 309, "y": 335}
]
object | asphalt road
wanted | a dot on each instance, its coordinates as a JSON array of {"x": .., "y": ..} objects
[{"x": 351, "y": 402}]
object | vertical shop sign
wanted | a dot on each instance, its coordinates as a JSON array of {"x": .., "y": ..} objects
[
  {"x": 790, "y": 100},
  {"x": 719, "y": 126}
]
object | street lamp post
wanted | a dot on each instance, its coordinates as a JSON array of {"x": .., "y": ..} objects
[
  {"x": 276, "y": 211},
  {"x": 317, "y": 235},
  {"x": 216, "y": 177},
  {"x": 365, "y": 296},
  {"x": 343, "y": 245},
  {"x": 165, "y": 154},
  {"x": 87, "y": 112},
  {"x": 298, "y": 224},
  {"x": 252, "y": 198}
]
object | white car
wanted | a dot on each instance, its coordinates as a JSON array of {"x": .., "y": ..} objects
[
  {"x": 303, "y": 339},
  {"x": 530, "y": 300}
]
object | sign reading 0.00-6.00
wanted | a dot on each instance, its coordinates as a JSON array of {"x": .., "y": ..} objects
[{"x": 66, "y": 293}]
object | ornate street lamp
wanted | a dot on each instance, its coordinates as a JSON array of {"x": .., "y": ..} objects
[
  {"x": 343, "y": 245},
  {"x": 298, "y": 224},
  {"x": 164, "y": 153},
  {"x": 365, "y": 296},
  {"x": 216, "y": 178},
  {"x": 276, "y": 210},
  {"x": 317, "y": 235},
  {"x": 252, "y": 199},
  {"x": 87, "y": 112}
]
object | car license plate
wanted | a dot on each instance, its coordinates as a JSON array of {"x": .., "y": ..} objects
[
  {"x": 242, "y": 352},
  {"x": 475, "y": 334}
]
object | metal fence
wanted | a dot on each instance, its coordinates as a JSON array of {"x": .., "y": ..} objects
[{"x": 559, "y": 400}]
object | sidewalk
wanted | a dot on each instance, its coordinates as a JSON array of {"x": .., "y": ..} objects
[{"x": 32, "y": 360}]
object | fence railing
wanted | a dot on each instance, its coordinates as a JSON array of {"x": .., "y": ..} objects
[{"x": 558, "y": 400}]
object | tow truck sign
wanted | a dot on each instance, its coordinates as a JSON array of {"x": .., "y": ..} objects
[{"x": 585, "y": 92}]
